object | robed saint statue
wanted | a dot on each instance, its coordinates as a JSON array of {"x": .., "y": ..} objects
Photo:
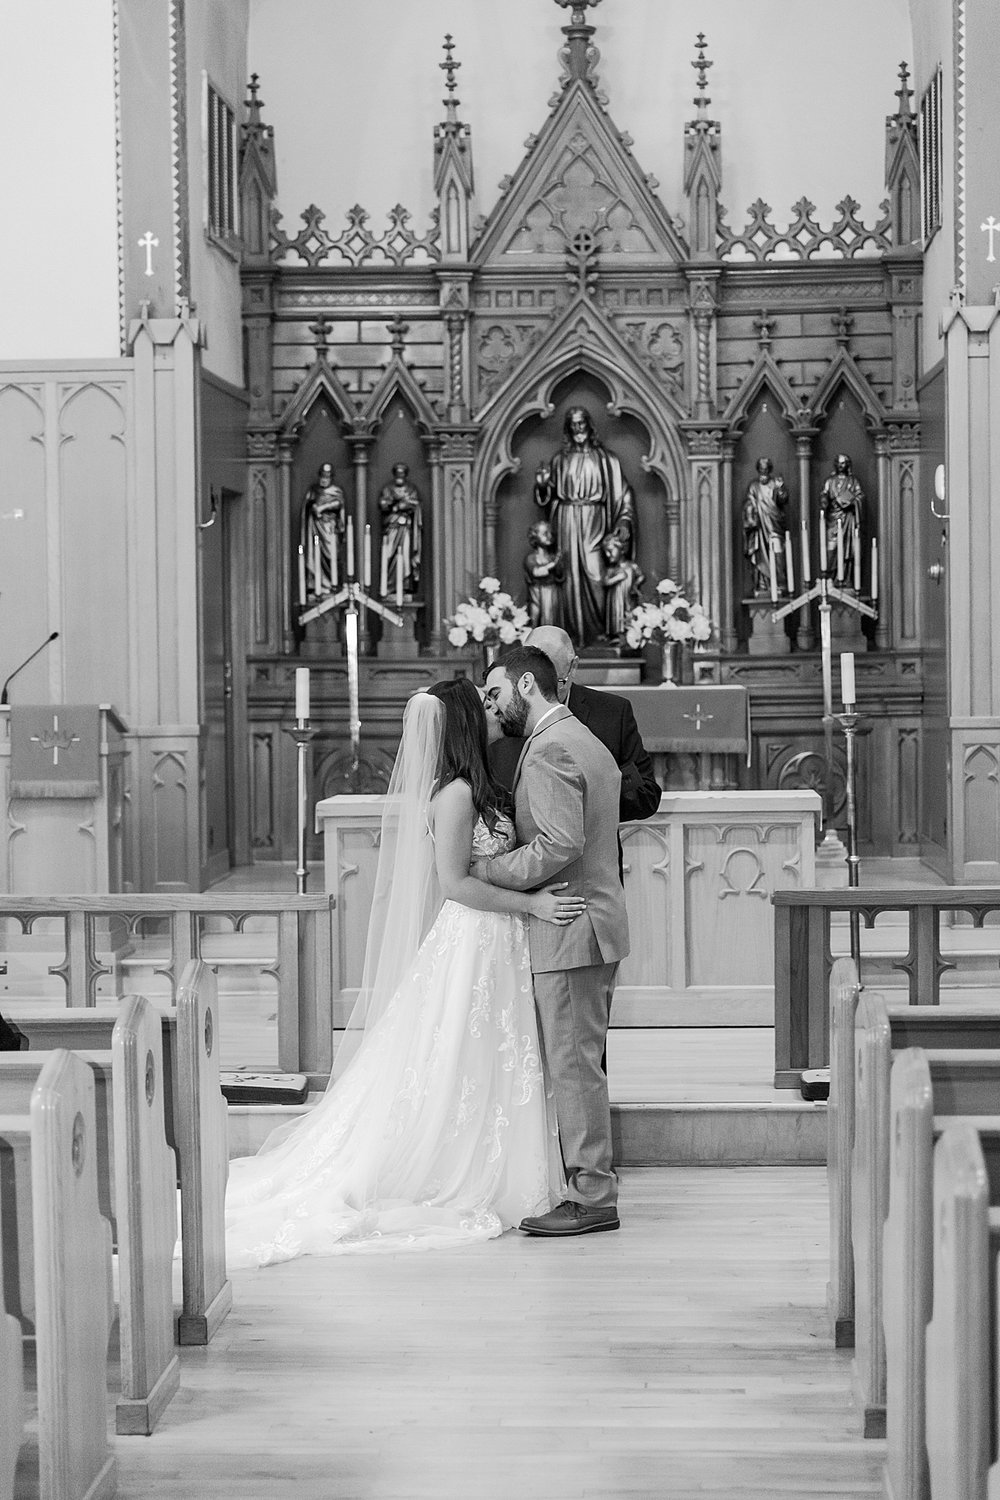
[{"x": 587, "y": 498}]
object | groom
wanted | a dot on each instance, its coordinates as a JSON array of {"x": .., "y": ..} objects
[{"x": 566, "y": 789}]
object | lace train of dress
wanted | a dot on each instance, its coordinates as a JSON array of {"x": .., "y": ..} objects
[{"x": 439, "y": 1131}]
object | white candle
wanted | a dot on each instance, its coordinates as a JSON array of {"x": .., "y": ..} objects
[
  {"x": 317, "y": 568},
  {"x": 350, "y": 546},
  {"x": 771, "y": 571},
  {"x": 368, "y": 556},
  {"x": 383, "y": 575},
  {"x": 806, "y": 574},
  {"x": 301, "y": 694},
  {"x": 847, "y": 678},
  {"x": 823, "y": 563},
  {"x": 874, "y": 570},
  {"x": 334, "y": 540},
  {"x": 840, "y": 549},
  {"x": 857, "y": 562},
  {"x": 789, "y": 564},
  {"x": 399, "y": 579},
  {"x": 302, "y": 574}
]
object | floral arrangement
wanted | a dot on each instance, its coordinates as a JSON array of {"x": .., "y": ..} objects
[
  {"x": 671, "y": 618},
  {"x": 492, "y": 618}
]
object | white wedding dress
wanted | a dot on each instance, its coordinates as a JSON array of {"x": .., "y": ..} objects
[{"x": 439, "y": 1131}]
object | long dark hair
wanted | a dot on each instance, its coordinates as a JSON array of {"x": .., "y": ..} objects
[{"x": 464, "y": 747}]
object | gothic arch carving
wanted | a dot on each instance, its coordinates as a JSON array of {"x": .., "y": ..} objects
[
  {"x": 320, "y": 380},
  {"x": 765, "y": 375},
  {"x": 842, "y": 370},
  {"x": 580, "y": 342},
  {"x": 397, "y": 380}
]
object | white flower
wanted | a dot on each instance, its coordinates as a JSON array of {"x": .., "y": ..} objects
[
  {"x": 502, "y": 601},
  {"x": 508, "y": 632},
  {"x": 457, "y": 636},
  {"x": 667, "y": 586},
  {"x": 489, "y": 585}
]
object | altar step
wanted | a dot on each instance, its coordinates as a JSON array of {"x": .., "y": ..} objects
[
  {"x": 696, "y": 1096},
  {"x": 647, "y": 1135}
]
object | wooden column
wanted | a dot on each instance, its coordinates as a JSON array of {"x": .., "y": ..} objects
[
  {"x": 728, "y": 633},
  {"x": 883, "y": 531},
  {"x": 438, "y": 603},
  {"x": 462, "y": 539},
  {"x": 279, "y": 545},
  {"x": 361, "y": 446},
  {"x": 804, "y": 636}
]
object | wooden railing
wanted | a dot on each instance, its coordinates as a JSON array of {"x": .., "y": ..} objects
[
  {"x": 301, "y": 964},
  {"x": 803, "y": 958}
]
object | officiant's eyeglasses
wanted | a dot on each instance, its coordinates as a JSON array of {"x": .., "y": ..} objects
[{"x": 571, "y": 669}]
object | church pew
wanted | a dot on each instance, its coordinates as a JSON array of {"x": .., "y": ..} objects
[
  {"x": 908, "y": 1258},
  {"x": 136, "y": 1177},
  {"x": 11, "y": 1388},
  {"x": 203, "y": 1146},
  {"x": 89, "y": 1029},
  {"x": 844, "y": 995},
  {"x": 969, "y": 1084},
  {"x": 189, "y": 1094},
  {"x": 907, "y": 1026},
  {"x": 966, "y": 1248},
  {"x": 892, "y": 1028},
  {"x": 50, "y": 1173}
]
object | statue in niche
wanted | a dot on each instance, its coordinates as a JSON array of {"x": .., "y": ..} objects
[
  {"x": 585, "y": 492},
  {"x": 623, "y": 581},
  {"x": 765, "y": 523},
  {"x": 544, "y": 572},
  {"x": 841, "y": 506},
  {"x": 321, "y": 527},
  {"x": 402, "y": 532}
]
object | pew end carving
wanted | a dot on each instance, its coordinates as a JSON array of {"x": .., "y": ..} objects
[
  {"x": 146, "y": 1191},
  {"x": 844, "y": 996},
  {"x": 202, "y": 1140}
]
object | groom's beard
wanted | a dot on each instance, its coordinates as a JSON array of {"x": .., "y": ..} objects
[{"x": 514, "y": 718}]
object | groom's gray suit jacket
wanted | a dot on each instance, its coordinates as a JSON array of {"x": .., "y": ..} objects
[{"x": 566, "y": 789}]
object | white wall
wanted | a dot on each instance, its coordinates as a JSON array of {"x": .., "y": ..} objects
[
  {"x": 353, "y": 91},
  {"x": 58, "y": 250}
]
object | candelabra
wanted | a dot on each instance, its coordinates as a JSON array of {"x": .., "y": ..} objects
[
  {"x": 849, "y": 721},
  {"x": 351, "y": 598},
  {"x": 828, "y": 593},
  {"x": 302, "y": 733}
]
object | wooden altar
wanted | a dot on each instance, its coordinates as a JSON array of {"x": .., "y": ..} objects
[
  {"x": 699, "y": 875},
  {"x": 696, "y": 345}
]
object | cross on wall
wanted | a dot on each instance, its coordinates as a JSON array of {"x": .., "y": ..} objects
[{"x": 991, "y": 227}]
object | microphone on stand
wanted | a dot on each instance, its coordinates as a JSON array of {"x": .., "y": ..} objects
[{"x": 48, "y": 641}]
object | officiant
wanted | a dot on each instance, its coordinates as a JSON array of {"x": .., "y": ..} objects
[{"x": 607, "y": 715}]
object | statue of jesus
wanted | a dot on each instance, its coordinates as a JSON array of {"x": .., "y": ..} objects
[{"x": 587, "y": 496}]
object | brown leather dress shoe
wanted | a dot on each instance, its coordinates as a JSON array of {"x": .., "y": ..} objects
[{"x": 572, "y": 1218}]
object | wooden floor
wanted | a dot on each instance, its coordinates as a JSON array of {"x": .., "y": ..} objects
[{"x": 686, "y": 1355}]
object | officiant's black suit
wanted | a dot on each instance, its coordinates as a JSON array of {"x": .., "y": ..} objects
[{"x": 610, "y": 718}]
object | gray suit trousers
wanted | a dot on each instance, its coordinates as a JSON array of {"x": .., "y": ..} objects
[{"x": 573, "y": 1008}]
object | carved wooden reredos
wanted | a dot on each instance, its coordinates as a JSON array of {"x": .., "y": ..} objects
[{"x": 695, "y": 347}]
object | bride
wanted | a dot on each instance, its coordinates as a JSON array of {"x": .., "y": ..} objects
[{"x": 435, "y": 1129}]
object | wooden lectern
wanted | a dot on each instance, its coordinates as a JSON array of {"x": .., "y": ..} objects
[{"x": 62, "y": 789}]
